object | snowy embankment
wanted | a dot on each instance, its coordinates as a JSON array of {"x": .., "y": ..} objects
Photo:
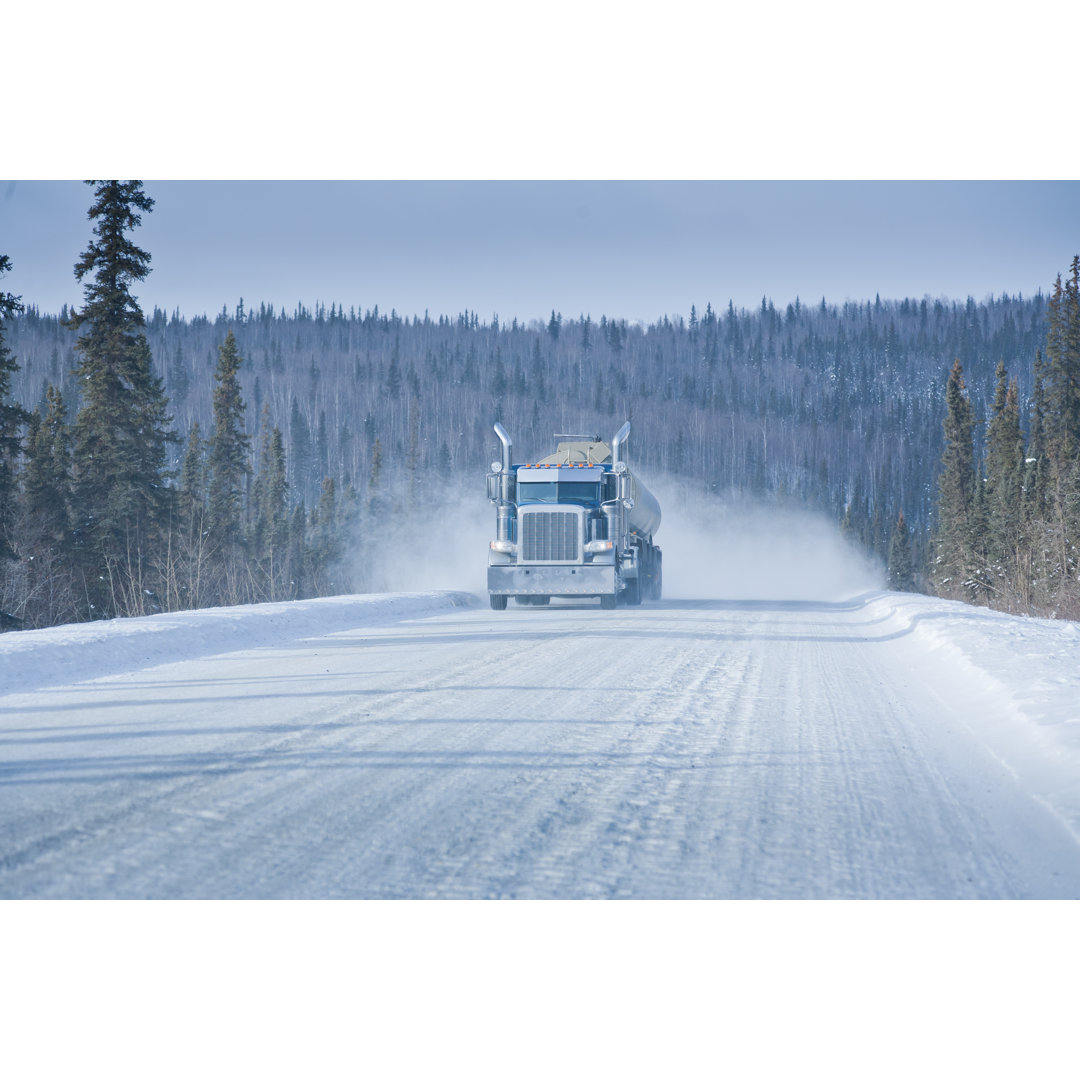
[
  {"x": 1023, "y": 675},
  {"x": 62, "y": 655}
]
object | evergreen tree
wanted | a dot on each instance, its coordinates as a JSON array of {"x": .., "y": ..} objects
[
  {"x": 296, "y": 576},
  {"x": 47, "y": 479},
  {"x": 498, "y": 380},
  {"x": 1004, "y": 481},
  {"x": 45, "y": 524},
  {"x": 12, "y": 417},
  {"x": 323, "y": 544},
  {"x": 901, "y": 564},
  {"x": 274, "y": 505},
  {"x": 300, "y": 451},
  {"x": 275, "y": 500},
  {"x": 1062, "y": 433},
  {"x": 179, "y": 380},
  {"x": 955, "y": 563},
  {"x": 1035, "y": 465},
  {"x": 193, "y": 482},
  {"x": 978, "y": 584},
  {"x": 393, "y": 372},
  {"x": 121, "y": 433},
  {"x": 322, "y": 445},
  {"x": 271, "y": 531},
  {"x": 1063, "y": 368},
  {"x": 229, "y": 445}
]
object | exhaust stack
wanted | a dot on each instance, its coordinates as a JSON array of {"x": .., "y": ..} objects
[
  {"x": 617, "y": 443},
  {"x": 506, "y": 444},
  {"x": 504, "y": 508}
]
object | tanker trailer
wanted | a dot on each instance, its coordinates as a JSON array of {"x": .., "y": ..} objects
[{"x": 578, "y": 523}]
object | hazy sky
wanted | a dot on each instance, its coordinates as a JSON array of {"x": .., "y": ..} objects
[{"x": 632, "y": 249}]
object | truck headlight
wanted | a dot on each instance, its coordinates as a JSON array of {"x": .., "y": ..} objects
[
  {"x": 504, "y": 547},
  {"x": 595, "y": 547}
]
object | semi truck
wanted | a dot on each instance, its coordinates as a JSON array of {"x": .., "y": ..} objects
[{"x": 577, "y": 523}]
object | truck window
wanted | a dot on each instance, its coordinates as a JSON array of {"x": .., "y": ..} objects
[
  {"x": 583, "y": 494},
  {"x": 566, "y": 491}
]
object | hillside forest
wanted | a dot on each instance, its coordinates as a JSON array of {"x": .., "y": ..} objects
[{"x": 158, "y": 462}]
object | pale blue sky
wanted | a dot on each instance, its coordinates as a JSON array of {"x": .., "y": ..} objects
[{"x": 634, "y": 249}]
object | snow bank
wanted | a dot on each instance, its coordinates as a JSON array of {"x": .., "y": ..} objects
[
  {"x": 73, "y": 653},
  {"x": 1021, "y": 676},
  {"x": 1034, "y": 663}
]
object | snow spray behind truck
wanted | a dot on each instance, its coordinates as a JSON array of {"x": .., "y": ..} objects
[{"x": 578, "y": 523}]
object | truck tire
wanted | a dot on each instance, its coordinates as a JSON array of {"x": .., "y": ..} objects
[
  {"x": 498, "y": 602},
  {"x": 607, "y": 601},
  {"x": 632, "y": 593}
]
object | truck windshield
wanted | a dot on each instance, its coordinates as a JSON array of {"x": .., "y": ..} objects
[{"x": 566, "y": 491}]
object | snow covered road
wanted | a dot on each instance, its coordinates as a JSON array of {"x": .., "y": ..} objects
[{"x": 887, "y": 746}]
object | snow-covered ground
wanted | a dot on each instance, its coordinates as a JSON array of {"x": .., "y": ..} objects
[
  {"x": 82, "y": 651},
  {"x": 420, "y": 745}
]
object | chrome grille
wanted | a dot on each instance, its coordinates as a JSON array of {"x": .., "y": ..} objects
[{"x": 549, "y": 536}]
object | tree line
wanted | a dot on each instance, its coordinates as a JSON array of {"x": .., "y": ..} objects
[
  {"x": 263, "y": 446},
  {"x": 1008, "y": 526},
  {"x": 99, "y": 516}
]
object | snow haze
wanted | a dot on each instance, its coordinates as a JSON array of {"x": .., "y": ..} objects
[
  {"x": 713, "y": 549},
  {"x": 435, "y": 539},
  {"x": 717, "y": 550}
]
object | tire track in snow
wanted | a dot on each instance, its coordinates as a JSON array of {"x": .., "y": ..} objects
[{"x": 704, "y": 750}]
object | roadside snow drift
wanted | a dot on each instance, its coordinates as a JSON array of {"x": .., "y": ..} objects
[{"x": 80, "y": 651}]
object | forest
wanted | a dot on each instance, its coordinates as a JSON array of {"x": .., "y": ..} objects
[{"x": 280, "y": 436}]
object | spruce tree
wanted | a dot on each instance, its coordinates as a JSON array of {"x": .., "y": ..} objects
[
  {"x": 45, "y": 523},
  {"x": 1035, "y": 464},
  {"x": 375, "y": 499},
  {"x": 276, "y": 498},
  {"x": 978, "y": 583},
  {"x": 271, "y": 531},
  {"x": 192, "y": 501},
  {"x": 229, "y": 446},
  {"x": 47, "y": 478},
  {"x": 1004, "y": 484},
  {"x": 1063, "y": 368},
  {"x": 121, "y": 433},
  {"x": 295, "y": 582},
  {"x": 393, "y": 372},
  {"x": 323, "y": 543},
  {"x": 12, "y": 418},
  {"x": 1062, "y": 434},
  {"x": 955, "y": 559},
  {"x": 901, "y": 565},
  {"x": 300, "y": 451}
]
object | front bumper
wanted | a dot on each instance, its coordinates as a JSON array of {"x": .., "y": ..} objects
[{"x": 552, "y": 580}]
